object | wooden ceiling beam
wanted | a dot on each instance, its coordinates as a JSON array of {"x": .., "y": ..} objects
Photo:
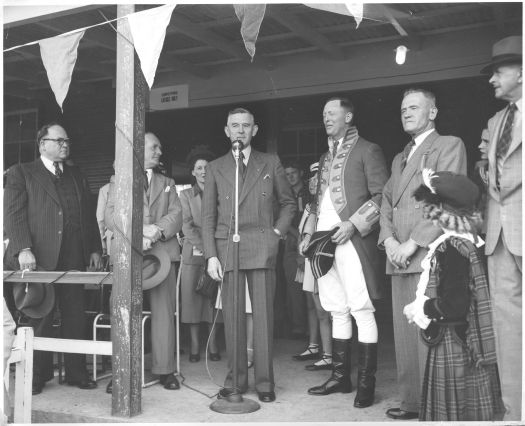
[
  {"x": 298, "y": 27},
  {"x": 195, "y": 31},
  {"x": 393, "y": 20}
]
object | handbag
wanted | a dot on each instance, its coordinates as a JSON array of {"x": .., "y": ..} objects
[{"x": 207, "y": 286}]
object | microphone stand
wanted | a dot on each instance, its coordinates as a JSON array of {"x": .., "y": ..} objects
[{"x": 235, "y": 403}]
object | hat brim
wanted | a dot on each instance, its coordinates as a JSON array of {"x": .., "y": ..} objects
[
  {"x": 501, "y": 60},
  {"x": 39, "y": 311},
  {"x": 156, "y": 265}
]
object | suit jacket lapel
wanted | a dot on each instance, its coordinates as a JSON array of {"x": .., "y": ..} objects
[
  {"x": 413, "y": 166},
  {"x": 43, "y": 176},
  {"x": 227, "y": 169},
  {"x": 155, "y": 187},
  {"x": 253, "y": 170}
]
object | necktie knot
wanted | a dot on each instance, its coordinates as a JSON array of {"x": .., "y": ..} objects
[
  {"x": 242, "y": 167},
  {"x": 58, "y": 170},
  {"x": 406, "y": 153}
]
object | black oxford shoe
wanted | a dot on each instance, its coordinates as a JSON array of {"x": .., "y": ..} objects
[
  {"x": 84, "y": 384},
  {"x": 266, "y": 396},
  {"x": 169, "y": 381},
  {"x": 399, "y": 414}
]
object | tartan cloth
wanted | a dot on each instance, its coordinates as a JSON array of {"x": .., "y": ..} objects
[
  {"x": 456, "y": 390},
  {"x": 461, "y": 380}
]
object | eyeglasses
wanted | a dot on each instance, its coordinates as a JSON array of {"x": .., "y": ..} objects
[{"x": 59, "y": 141}]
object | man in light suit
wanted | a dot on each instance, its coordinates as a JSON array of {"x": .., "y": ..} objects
[
  {"x": 405, "y": 235},
  {"x": 504, "y": 218},
  {"x": 264, "y": 187},
  {"x": 351, "y": 178},
  {"x": 162, "y": 221},
  {"x": 50, "y": 224}
]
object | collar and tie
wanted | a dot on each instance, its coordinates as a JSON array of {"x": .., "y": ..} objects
[
  {"x": 506, "y": 135},
  {"x": 242, "y": 166},
  {"x": 58, "y": 170},
  {"x": 406, "y": 153},
  {"x": 335, "y": 144}
]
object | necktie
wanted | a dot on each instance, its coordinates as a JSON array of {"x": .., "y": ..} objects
[
  {"x": 334, "y": 149},
  {"x": 506, "y": 135},
  {"x": 58, "y": 171},
  {"x": 242, "y": 167},
  {"x": 406, "y": 153}
]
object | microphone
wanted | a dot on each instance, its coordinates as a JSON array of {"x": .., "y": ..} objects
[{"x": 237, "y": 147}]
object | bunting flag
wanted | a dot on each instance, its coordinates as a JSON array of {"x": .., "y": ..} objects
[
  {"x": 59, "y": 55},
  {"x": 148, "y": 29},
  {"x": 251, "y": 16},
  {"x": 350, "y": 9}
]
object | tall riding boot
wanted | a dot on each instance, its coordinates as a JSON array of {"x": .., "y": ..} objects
[
  {"x": 339, "y": 381},
  {"x": 366, "y": 381}
]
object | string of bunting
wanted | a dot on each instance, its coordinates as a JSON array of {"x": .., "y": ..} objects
[{"x": 148, "y": 30}]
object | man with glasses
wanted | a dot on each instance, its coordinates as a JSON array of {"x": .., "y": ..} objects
[{"x": 51, "y": 226}]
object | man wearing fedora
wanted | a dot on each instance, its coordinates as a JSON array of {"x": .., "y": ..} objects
[
  {"x": 351, "y": 177},
  {"x": 504, "y": 217},
  {"x": 48, "y": 220},
  {"x": 162, "y": 221}
]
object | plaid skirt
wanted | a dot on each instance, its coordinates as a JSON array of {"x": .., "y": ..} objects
[{"x": 454, "y": 389}]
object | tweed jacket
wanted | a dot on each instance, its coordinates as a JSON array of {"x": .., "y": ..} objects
[
  {"x": 357, "y": 177},
  {"x": 504, "y": 210},
  {"x": 162, "y": 207},
  {"x": 190, "y": 200},
  {"x": 401, "y": 214},
  {"x": 265, "y": 202},
  {"x": 33, "y": 215}
]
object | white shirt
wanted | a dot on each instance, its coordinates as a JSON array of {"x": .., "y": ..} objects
[
  {"x": 49, "y": 164},
  {"x": 149, "y": 173},
  {"x": 419, "y": 140}
]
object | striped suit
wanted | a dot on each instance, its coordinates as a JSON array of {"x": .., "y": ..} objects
[
  {"x": 35, "y": 217},
  {"x": 504, "y": 250},
  {"x": 401, "y": 218},
  {"x": 265, "y": 202}
]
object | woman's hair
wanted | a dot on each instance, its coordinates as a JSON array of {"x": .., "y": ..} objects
[
  {"x": 454, "y": 221},
  {"x": 199, "y": 152}
]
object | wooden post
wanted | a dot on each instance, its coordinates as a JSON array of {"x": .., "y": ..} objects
[{"x": 126, "y": 298}]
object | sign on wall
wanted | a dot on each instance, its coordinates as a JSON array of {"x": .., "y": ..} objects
[{"x": 169, "y": 97}]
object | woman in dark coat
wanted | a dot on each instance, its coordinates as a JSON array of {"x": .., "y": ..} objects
[
  {"x": 194, "y": 307},
  {"x": 452, "y": 307}
]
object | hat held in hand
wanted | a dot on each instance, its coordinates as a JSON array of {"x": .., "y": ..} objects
[
  {"x": 321, "y": 252},
  {"x": 34, "y": 300},
  {"x": 156, "y": 266}
]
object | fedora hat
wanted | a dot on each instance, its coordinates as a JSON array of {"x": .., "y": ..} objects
[
  {"x": 156, "y": 264},
  {"x": 34, "y": 300},
  {"x": 506, "y": 51}
]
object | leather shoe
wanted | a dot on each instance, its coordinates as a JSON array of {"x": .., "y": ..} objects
[
  {"x": 37, "y": 388},
  {"x": 109, "y": 387},
  {"x": 215, "y": 356},
  {"x": 399, "y": 414},
  {"x": 307, "y": 355},
  {"x": 84, "y": 384},
  {"x": 316, "y": 367},
  {"x": 195, "y": 357},
  {"x": 266, "y": 396},
  {"x": 169, "y": 381}
]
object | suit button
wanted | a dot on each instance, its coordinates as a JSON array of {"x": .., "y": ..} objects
[
  {"x": 395, "y": 208},
  {"x": 416, "y": 206},
  {"x": 59, "y": 232},
  {"x": 261, "y": 229},
  {"x": 60, "y": 213}
]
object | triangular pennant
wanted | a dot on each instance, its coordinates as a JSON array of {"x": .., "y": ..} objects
[
  {"x": 148, "y": 29},
  {"x": 59, "y": 55},
  {"x": 350, "y": 9},
  {"x": 251, "y": 16}
]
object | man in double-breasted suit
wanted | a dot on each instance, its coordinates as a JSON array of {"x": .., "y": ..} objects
[
  {"x": 266, "y": 209},
  {"x": 351, "y": 178},
  {"x": 162, "y": 221},
  {"x": 405, "y": 235},
  {"x": 504, "y": 218},
  {"x": 51, "y": 226}
]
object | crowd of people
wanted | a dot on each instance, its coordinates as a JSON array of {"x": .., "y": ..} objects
[{"x": 452, "y": 246}]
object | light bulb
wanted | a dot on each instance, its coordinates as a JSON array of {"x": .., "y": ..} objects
[{"x": 401, "y": 54}]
